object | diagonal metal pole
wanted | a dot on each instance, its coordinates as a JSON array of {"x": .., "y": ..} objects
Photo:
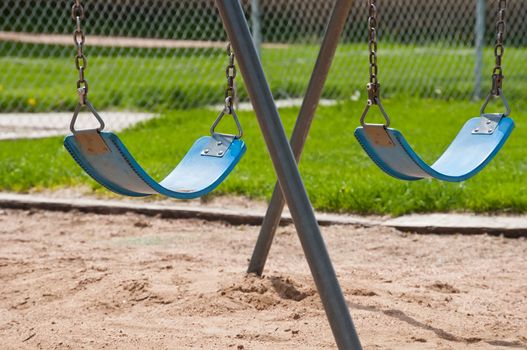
[
  {"x": 329, "y": 45},
  {"x": 288, "y": 175}
]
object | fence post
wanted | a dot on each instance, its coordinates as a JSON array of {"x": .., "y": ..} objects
[
  {"x": 256, "y": 26},
  {"x": 480, "y": 42}
]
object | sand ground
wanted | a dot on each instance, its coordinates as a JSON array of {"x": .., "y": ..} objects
[{"x": 83, "y": 281}]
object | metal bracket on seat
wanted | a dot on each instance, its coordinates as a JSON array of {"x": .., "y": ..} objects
[
  {"x": 232, "y": 112},
  {"x": 379, "y": 135},
  {"x": 218, "y": 145},
  {"x": 91, "y": 141},
  {"x": 487, "y": 124},
  {"x": 76, "y": 114}
]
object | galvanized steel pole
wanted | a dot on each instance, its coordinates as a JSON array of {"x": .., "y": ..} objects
[
  {"x": 329, "y": 45},
  {"x": 288, "y": 175}
]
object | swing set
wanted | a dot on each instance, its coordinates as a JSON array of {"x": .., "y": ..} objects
[{"x": 211, "y": 158}]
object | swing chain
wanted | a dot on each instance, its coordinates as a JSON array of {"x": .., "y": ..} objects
[
  {"x": 230, "y": 91},
  {"x": 497, "y": 73},
  {"x": 499, "y": 49},
  {"x": 77, "y": 14},
  {"x": 230, "y": 96},
  {"x": 374, "y": 87}
]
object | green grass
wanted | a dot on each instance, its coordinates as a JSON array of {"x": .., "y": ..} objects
[
  {"x": 42, "y": 78},
  {"x": 337, "y": 173}
]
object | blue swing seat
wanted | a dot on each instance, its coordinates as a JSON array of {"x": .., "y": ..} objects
[
  {"x": 105, "y": 158},
  {"x": 465, "y": 157}
]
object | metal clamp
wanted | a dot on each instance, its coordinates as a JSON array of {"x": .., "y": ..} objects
[
  {"x": 229, "y": 111},
  {"x": 94, "y": 112},
  {"x": 381, "y": 108},
  {"x": 489, "y": 121},
  {"x": 374, "y": 91},
  {"x": 373, "y": 99},
  {"x": 217, "y": 146},
  {"x": 487, "y": 124},
  {"x": 505, "y": 102},
  {"x": 497, "y": 82}
]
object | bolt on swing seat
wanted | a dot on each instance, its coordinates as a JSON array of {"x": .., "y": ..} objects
[
  {"x": 106, "y": 159},
  {"x": 475, "y": 145}
]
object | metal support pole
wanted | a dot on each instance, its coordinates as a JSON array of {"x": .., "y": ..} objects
[
  {"x": 256, "y": 25},
  {"x": 479, "y": 44},
  {"x": 329, "y": 45},
  {"x": 288, "y": 175}
]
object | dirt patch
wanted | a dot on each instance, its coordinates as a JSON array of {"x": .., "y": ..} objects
[
  {"x": 265, "y": 292},
  {"x": 443, "y": 287},
  {"x": 75, "y": 280}
]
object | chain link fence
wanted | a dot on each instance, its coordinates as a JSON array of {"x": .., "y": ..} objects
[{"x": 164, "y": 54}]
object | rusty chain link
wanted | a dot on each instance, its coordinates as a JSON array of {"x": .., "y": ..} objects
[
  {"x": 372, "y": 44},
  {"x": 81, "y": 63},
  {"x": 497, "y": 73},
  {"x": 373, "y": 86},
  {"x": 230, "y": 72}
]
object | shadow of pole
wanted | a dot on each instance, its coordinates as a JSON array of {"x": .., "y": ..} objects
[{"x": 400, "y": 315}]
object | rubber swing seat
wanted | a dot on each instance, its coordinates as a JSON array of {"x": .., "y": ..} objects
[
  {"x": 465, "y": 156},
  {"x": 106, "y": 159}
]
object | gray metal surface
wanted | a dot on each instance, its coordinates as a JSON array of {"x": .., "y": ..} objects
[
  {"x": 487, "y": 124},
  {"x": 289, "y": 177},
  {"x": 218, "y": 146},
  {"x": 301, "y": 130}
]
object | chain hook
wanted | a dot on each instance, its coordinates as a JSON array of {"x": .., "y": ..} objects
[
  {"x": 230, "y": 96},
  {"x": 94, "y": 112},
  {"x": 374, "y": 100},
  {"x": 497, "y": 82},
  {"x": 503, "y": 99},
  {"x": 236, "y": 121}
]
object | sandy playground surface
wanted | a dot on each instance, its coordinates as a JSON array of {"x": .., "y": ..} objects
[{"x": 83, "y": 281}]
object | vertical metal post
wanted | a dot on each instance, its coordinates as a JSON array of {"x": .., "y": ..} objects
[
  {"x": 479, "y": 44},
  {"x": 288, "y": 175},
  {"x": 256, "y": 25},
  {"x": 329, "y": 45}
]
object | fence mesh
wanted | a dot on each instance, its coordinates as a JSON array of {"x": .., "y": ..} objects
[{"x": 158, "y": 54}]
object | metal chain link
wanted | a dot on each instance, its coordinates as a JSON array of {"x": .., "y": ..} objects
[
  {"x": 372, "y": 44},
  {"x": 497, "y": 73},
  {"x": 77, "y": 14},
  {"x": 373, "y": 86},
  {"x": 230, "y": 91},
  {"x": 230, "y": 96},
  {"x": 81, "y": 63}
]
